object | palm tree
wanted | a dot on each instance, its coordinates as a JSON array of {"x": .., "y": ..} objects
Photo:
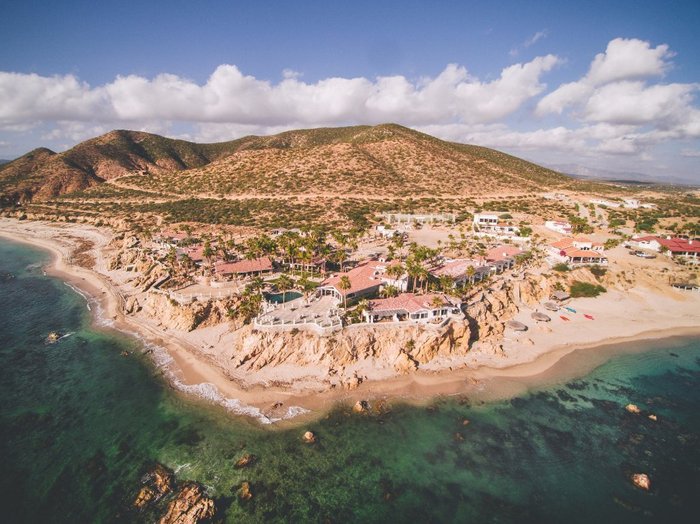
[
  {"x": 390, "y": 291},
  {"x": 284, "y": 284},
  {"x": 344, "y": 285},
  {"x": 471, "y": 271},
  {"x": 447, "y": 283}
]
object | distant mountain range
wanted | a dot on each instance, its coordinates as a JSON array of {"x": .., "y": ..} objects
[
  {"x": 592, "y": 173},
  {"x": 382, "y": 160}
]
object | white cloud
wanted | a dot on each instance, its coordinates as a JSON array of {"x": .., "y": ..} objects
[
  {"x": 624, "y": 59},
  {"x": 229, "y": 96}
]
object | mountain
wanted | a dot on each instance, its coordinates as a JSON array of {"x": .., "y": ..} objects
[
  {"x": 368, "y": 161},
  {"x": 42, "y": 174},
  {"x": 594, "y": 173}
]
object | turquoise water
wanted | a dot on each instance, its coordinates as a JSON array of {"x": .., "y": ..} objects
[
  {"x": 280, "y": 298},
  {"x": 80, "y": 424}
]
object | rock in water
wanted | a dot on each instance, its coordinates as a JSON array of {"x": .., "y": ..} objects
[
  {"x": 53, "y": 337},
  {"x": 157, "y": 482},
  {"x": 245, "y": 461},
  {"x": 309, "y": 437},
  {"x": 633, "y": 408},
  {"x": 642, "y": 481},
  {"x": 245, "y": 493},
  {"x": 190, "y": 506},
  {"x": 653, "y": 417}
]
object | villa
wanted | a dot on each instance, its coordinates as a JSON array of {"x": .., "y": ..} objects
[
  {"x": 462, "y": 270},
  {"x": 558, "y": 226},
  {"x": 492, "y": 223},
  {"x": 409, "y": 307},
  {"x": 256, "y": 266},
  {"x": 365, "y": 281},
  {"x": 688, "y": 249},
  {"x": 577, "y": 251},
  {"x": 502, "y": 257}
]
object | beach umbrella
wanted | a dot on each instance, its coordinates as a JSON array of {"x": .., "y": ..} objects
[
  {"x": 540, "y": 317},
  {"x": 551, "y": 306}
]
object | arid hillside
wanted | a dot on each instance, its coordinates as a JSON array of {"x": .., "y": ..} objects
[{"x": 381, "y": 161}]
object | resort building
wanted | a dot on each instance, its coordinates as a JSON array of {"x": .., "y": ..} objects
[
  {"x": 365, "y": 281},
  {"x": 558, "y": 226},
  {"x": 502, "y": 257},
  {"x": 409, "y": 307},
  {"x": 577, "y": 251},
  {"x": 685, "y": 248},
  {"x": 256, "y": 266},
  {"x": 168, "y": 238},
  {"x": 491, "y": 223},
  {"x": 386, "y": 232},
  {"x": 462, "y": 271}
]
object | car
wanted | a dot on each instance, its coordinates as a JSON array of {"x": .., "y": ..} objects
[{"x": 644, "y": 254}]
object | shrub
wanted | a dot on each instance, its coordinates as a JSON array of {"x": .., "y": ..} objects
[
  {"x": 584, "y": 289},
  {"x": 598, "y": 271},
  {"x": 561, "y": 267}
]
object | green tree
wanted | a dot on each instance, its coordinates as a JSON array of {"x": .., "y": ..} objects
[{"x": 344, "y": 285}]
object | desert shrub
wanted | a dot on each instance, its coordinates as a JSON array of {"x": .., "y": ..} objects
[
  {"x": 585, "y": 289},
  {"x": 561, "y": 267},
  {"x": 598, "y": 271}
]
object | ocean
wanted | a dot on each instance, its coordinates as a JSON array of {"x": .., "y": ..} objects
[{"x": 80, "y": 424}]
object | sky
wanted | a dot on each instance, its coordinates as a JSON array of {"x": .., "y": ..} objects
[{"x": 608, "y": 85}]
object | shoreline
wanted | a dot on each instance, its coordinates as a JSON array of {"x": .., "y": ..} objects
[{"x": 192, "y": 374}]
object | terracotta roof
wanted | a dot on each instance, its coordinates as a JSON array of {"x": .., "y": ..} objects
[
  {"x": 196, "y": 253},
  {"x": 680, "y": 245},
  {"x": 244, "y": 266},
  {"x": 364, "y": 276},
  {"x": 647, "y": 238},
  {"x": 454, "y": 268},
  {"x": 587, "y": 253},
  {"x": 564, "y": 243},
  {"x": 409, "y": 302},
  {"x": 502, "y": 252}
]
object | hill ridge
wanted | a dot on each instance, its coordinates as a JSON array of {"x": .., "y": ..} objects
[{"x": 383, "y": 159}]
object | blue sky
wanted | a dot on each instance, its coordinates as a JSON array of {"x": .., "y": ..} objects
[{"x": 610, "y": 85}]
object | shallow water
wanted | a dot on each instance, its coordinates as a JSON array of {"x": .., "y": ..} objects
[{"x": 79, "y": 425}]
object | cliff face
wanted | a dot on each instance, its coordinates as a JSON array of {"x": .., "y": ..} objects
[{"x": 339, "y": 358}]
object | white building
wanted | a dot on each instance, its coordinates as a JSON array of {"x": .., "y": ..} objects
[
  {"x": 492, "y": 223},
  {"x": 558, "y": 226}
]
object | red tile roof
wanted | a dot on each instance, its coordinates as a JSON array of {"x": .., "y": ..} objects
[
  {"x": 502, "y": 252},
  {"x": 244, "y": 266},
  {"x": 362, "y": 277},
  {"x": 680, "y": 245}
]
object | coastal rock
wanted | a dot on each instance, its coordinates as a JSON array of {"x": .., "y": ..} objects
[
  {"x": 53, "y": 337},
  {"x": 405, "y": 364},
  {"x": 245, "y": 493},
  {"x": 245, "y": 461},
  {"x": 633, "y": 408},
  {"x": 190, "y": 506},
  {"x": 642, "y": 481},
  {"x": 309, "y": 437},
  {"x": 653, "y": 417},
  {"x": 132, "y": 305},
  {"x": 361, "y": 406},
  {"x": 157, "y": 483}
]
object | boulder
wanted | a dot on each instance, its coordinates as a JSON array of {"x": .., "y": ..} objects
[
  {"x": 642, "y": 481},
  {"x": 157, "y": 483},
  {"x": 633, "y": 408},
  {"x": 361, "y": 406},
  {"x": 309, "y": 437},
  {"x": 244, "y": 493},
  {"x": 245, "y": 461},
  {"x": 190, "y": 506},
  {"x": 653, "y": 417}
]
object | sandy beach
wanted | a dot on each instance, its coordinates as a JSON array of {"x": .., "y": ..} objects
[{"x": 558, "y": 351}]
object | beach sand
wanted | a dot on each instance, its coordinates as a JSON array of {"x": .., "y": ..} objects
[{"x": 542, "y": 355}]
